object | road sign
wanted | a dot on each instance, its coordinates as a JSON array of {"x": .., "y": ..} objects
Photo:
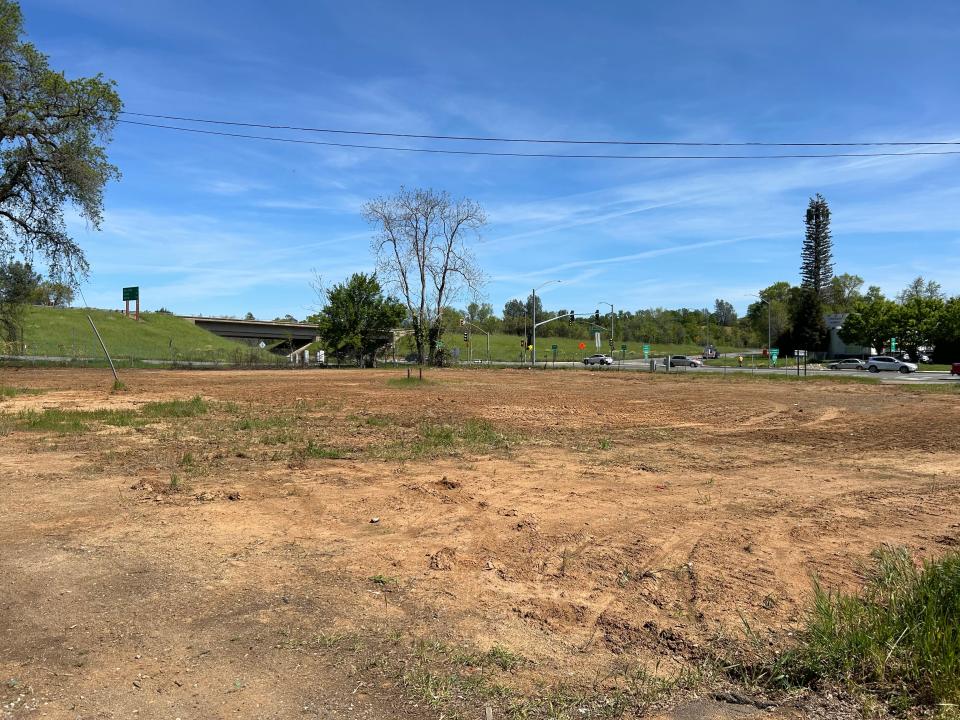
[
  {"x": 131, "y": 293},
  {"x": 529, "y": 347},
  {"x": 596, "y": 340},
  {"x": 893, "y": 344},
  {"x": 623, "y": 348},
  {"x": 582, "y": 346},
  {"x": 553, "y": 347},
  {"x": 801, "y": 353},
  {"x": 646, "y": 351},
  {"x": 439, "y": 344},
  {"x": 774, "y": 353}
]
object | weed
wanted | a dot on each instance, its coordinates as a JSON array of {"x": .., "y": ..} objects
[
  {"x": 503, "y": 658},
  {"x": 898, "y": 638},
  {"x": 186, "y": 460},
  {"x": 604, "y": 443},
  {"x": 176, "y": 408},
  {"x": 74, "y": 421},
  {"x": 312, "y": 450},
  {"x": 437, "y": 439},
  {"x": 7, "y": 391},
  {"x": 176, "y": 484},
  {"x": 408, "y": 382},
  {"x": 382, "y": 580},
  {"x": 267, "y": 423},
  {"x": 118, "y": 386}
]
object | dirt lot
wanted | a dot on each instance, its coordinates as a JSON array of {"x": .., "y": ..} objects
[{"x": 338, "y": 544}]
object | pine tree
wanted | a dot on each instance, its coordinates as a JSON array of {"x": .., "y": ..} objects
[{"x": 816, "y": 268}]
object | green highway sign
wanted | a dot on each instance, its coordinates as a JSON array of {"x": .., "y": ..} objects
[
  {"x": 646, "y": 351},
  {"x": 893, "y": 344},
  {"x": 553, "y": 347},
  {"x": 623, "y": 348},
  {"x": 131, "y": 293},
  {"x": 774, "y": 352}
]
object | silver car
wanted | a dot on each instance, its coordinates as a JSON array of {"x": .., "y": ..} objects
[
  {"x": 598, "y": 360},
  {"x": 885, "y": 362},
  {"x": 848, "y": 364},
  {"x": 684, "y": 361}
]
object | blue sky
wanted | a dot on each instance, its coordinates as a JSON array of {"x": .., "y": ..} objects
[{"x": 224, "y": 226}]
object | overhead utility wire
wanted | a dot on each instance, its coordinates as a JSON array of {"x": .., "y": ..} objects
[
  {"x": 491, "y": 153},
  {"x": 471, "y": 138}
]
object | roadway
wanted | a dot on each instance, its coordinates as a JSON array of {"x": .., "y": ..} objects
[{"x": 920, "y": 377}]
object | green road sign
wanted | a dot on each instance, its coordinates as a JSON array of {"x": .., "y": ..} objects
[
  {"x": 439, "y": 344},
  {"x": 553, "y": 347},
  {"x": 893, "y": 344},
  {"x": 623, "y": 348},
  {"x": 774, "y": 352},
  {"x": 646, "y": 352},
  {"x": 131, "y": 293}
]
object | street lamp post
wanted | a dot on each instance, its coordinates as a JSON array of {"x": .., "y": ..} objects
[
  {"x": 767, "y": 302},
  {"x": 533, "y": 356}
]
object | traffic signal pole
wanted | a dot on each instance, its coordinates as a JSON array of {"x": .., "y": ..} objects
[{"x": 465, "y": 323}]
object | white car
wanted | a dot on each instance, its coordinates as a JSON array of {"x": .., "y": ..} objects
[
  {"x": 598, "y": 360},
  {"x": 885, "y": 362},
  {"x": 684, "y": 361}
]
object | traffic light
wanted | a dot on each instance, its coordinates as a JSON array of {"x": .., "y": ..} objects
[
  {"x": 466, "y": 337},
  {"x": 462, "y": 322},
  {"x": 570, "y": 319},
  {"x": 596, "y": 316}
]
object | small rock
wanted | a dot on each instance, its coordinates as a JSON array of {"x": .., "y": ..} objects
[{"x": 374, "y": 520}]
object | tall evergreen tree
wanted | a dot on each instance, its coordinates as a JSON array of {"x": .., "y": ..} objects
[{"x": 816, "y": 268}]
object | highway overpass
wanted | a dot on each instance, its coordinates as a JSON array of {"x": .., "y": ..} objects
[{"x": 290, "y": 335}]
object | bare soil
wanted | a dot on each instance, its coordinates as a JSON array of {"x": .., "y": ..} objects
[{"x": 330, "y": 544}]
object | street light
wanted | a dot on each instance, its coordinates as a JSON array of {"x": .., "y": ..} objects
[
  {"x": 604, "y": 302},
  {"x": 761, "y": 299},
  {"x": 533, "y": 356}
]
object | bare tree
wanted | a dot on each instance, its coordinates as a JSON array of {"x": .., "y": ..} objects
[{"x": 422, "y": 249}]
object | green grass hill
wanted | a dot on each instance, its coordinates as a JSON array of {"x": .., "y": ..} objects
[{"x": 65, "y": 332}]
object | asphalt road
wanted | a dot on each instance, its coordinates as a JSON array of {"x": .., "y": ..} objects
[{"x": 923, "y": 376}]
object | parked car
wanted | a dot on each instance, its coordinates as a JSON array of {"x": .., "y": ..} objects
[
  {"x": 885, "y": 362},
  {"x": 684, "y": 361},
  {"x": 848, "y": 364},
  {"x": 598, "y": 360},
  {"x": 955, "y": 369}
]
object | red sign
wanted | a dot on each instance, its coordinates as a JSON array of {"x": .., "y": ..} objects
[{"x": 582, "y": 346}]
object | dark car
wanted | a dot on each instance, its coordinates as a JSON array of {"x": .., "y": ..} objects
[{"x": 955, "y": 369}]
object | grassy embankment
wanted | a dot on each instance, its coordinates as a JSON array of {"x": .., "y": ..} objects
[{"x": 66, "y": 333}]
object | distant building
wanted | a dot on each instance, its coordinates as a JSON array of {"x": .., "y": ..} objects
[{"x": 836, "y": 347}]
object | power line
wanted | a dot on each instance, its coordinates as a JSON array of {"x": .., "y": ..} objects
[
  {"x": 571, "y": 156},
  {"x": 480, "y": 138}
]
